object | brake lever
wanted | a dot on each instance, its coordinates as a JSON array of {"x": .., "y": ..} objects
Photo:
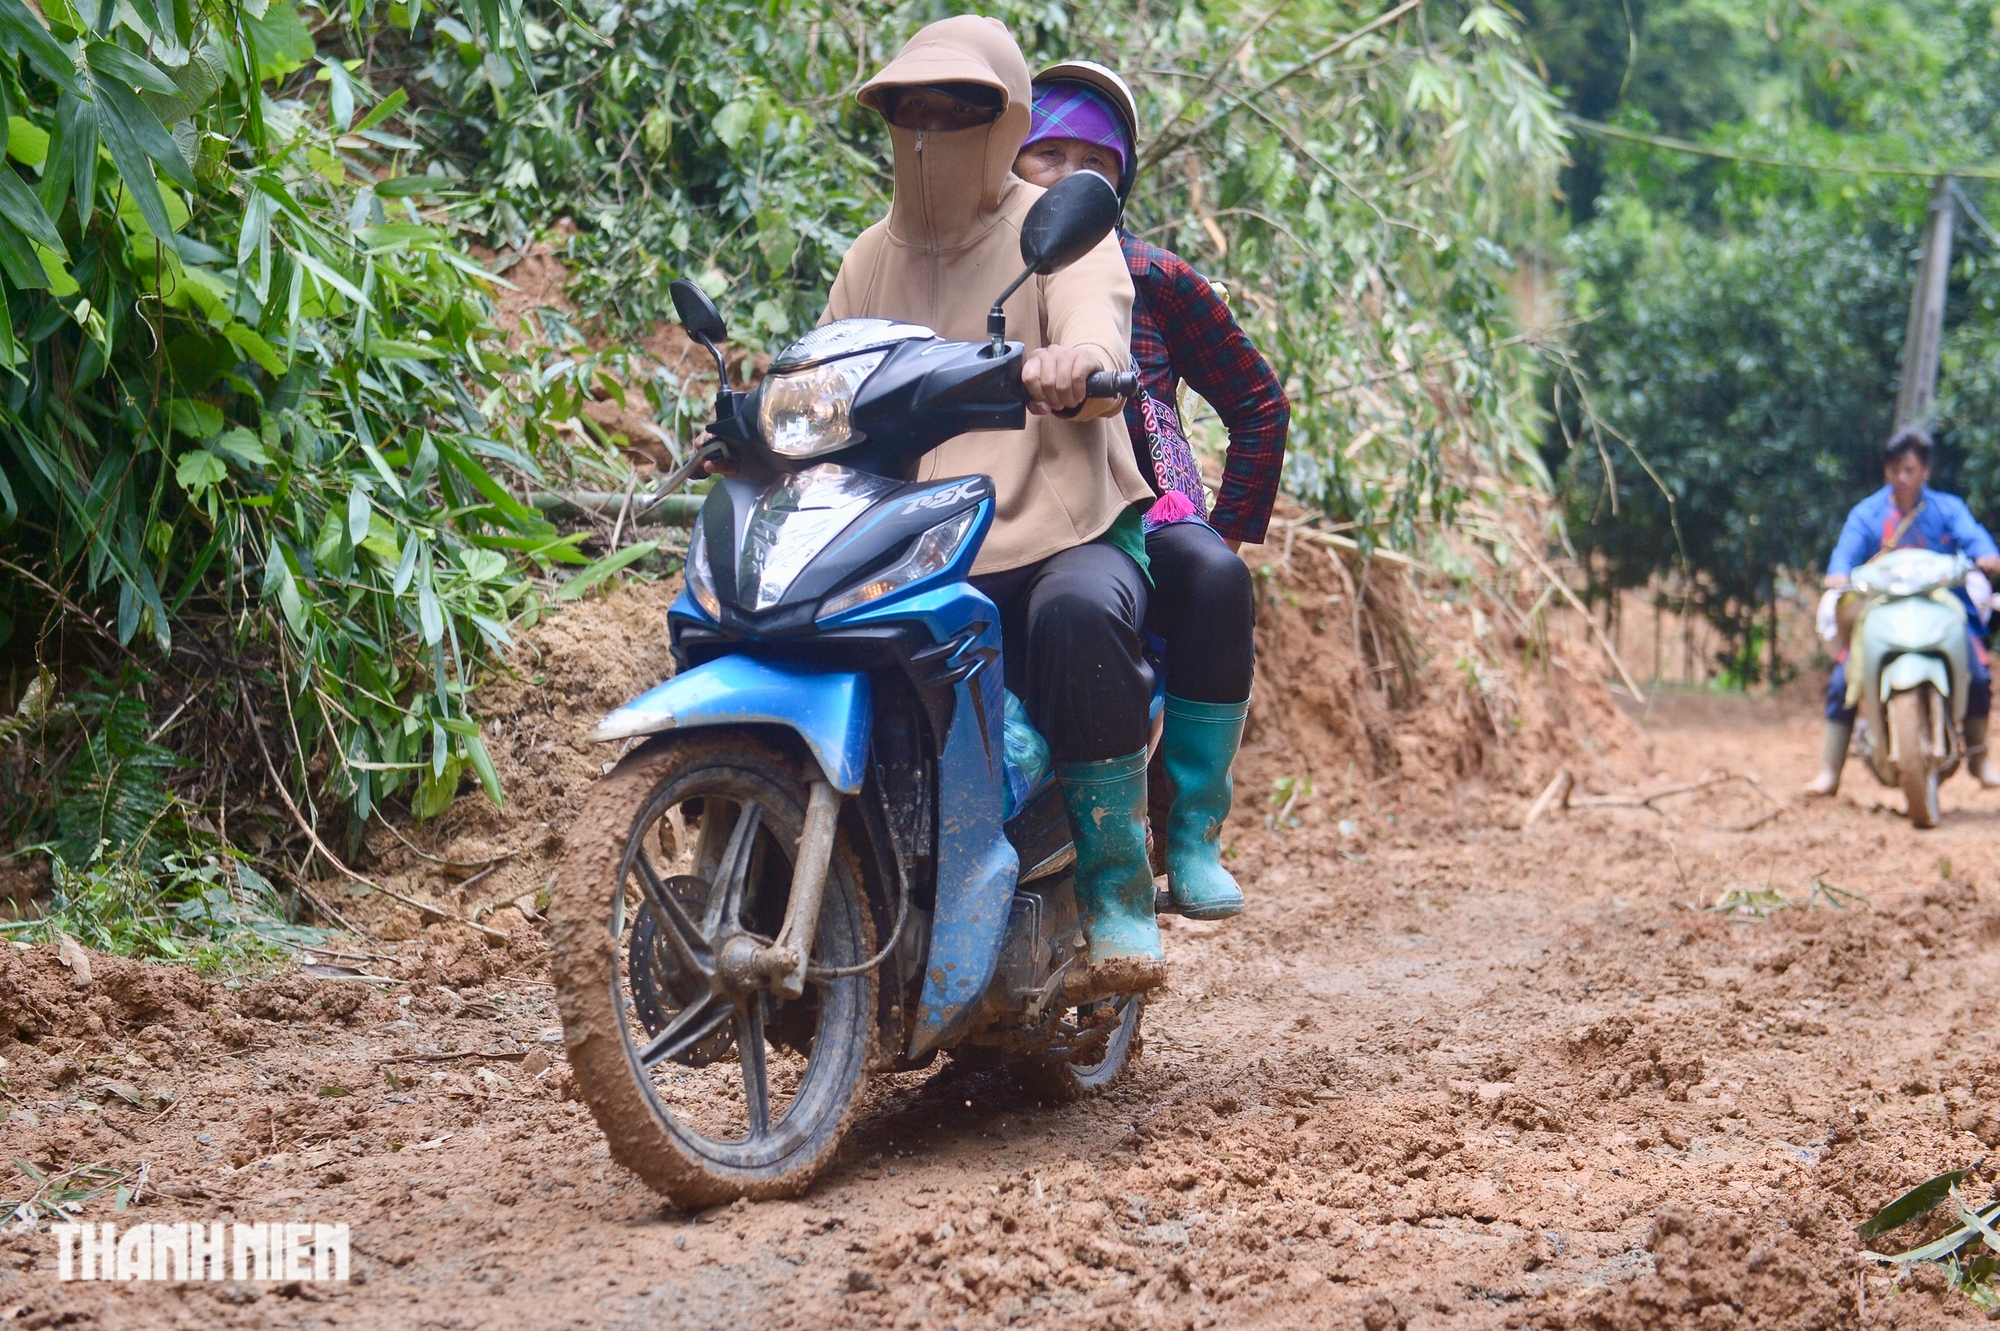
[{"x": 681, "y": 475}]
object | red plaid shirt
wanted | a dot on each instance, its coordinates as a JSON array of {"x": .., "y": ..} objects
[{"x": 1181, "y": 330}]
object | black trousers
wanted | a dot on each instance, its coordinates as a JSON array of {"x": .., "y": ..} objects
[
  {"x": 1204, "y": 607},
  {"x": 1074, "y": 652}
]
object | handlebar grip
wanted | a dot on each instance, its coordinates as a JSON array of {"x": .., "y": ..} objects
[{"x": 1109, "y": 383}]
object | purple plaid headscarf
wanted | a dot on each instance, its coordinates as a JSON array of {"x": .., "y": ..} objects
[{"x": 1073, "y": 111}]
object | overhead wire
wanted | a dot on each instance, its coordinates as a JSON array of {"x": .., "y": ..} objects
[{"x": 1927, "y": 170}]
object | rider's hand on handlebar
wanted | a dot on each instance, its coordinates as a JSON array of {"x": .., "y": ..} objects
[
  {"x": 720, "y": 465},
  {"x": 1055, "y": 379}
]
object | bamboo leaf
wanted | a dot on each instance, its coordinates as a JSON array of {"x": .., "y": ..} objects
[
  {"x": 22, "y": 33},
  {"x": 27, "y": 142},
  {"x": 130, "y": 71},
  {"x": 603, "y": 569},
  {"x": 134, "y": 165},
  {"x": 482, "y": 764},
  {"x": 1917, "y": 1202},
  {"x": 331, "y": 278},
  {"x": 358, "y": 513},
  {"x": 406, "y": 567},
  {"x": 524, "y": 518},
  {"x": 386, "y": 348},
  {"x": 340, "y": 93},
  {"x": 387, "y": 107},
  {"x": 22, "y": 264},
  {"x": 252, "y": 344},
  {"x": 281, "y": 584},
  {"x": 430, "y": 616},
  {"x": 19, "y": 206}
]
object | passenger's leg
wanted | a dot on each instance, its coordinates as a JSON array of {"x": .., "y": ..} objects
[
  {"x": 1978, "y": 704},
  {"x": 1833, "y": 742},
  {"x": 1204, "y": 608},
  {"x": 1088, "y": 687}
]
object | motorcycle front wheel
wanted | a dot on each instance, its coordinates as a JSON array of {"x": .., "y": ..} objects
[
  {"x": 706, "y": 1092},
  {"x": 1913, "y": 714}
]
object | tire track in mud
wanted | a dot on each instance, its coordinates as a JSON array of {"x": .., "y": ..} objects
[{"x": 1444, "y": 1073}]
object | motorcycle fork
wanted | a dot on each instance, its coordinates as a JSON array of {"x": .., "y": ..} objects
[
  {"x": 782, "y": 964},
  {"x": 808, "y": 886}
]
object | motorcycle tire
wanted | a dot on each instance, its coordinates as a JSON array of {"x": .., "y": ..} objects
[
  {"x": 1917, "y": 761},
  {"x": 703, "y": 1122},
  {"x": 1062, "y": 1081}
]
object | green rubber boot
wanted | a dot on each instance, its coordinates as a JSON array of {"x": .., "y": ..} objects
[
  {"x": 1197, "y": 747},
  {"x": 1114, "y": 884}
]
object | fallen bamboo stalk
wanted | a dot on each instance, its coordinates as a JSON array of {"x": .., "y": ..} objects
[
  {"x": 1685, "y": 788},
  {"x": 1380, "y": 552},
  {"x": 1555, "y": 794},
  {"x": 1604, "y": 643}
]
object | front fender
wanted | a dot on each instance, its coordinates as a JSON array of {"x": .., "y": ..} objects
[
  {"x": 1912, "y": 669},
  {"x": 832, "y": 710}
]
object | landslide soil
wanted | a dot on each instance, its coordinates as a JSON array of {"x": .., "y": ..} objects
[{"x": 1447, "y": 1071}]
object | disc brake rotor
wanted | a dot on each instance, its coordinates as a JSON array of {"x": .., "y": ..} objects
[{"x": 661, "y": 987}]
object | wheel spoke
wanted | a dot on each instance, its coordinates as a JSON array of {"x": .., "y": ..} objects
[
  {"x": 750, "y": 1053},
  {"x": 725, "y": 901},
  {"x": 682, "y": 934},
  {"x": 690, "y": 1026}
]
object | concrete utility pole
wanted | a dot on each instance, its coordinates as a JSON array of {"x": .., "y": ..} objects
[{"x": 1926, "y": 330}]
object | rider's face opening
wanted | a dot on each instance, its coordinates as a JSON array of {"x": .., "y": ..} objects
[
  {"x": 1907, "y": 474},
  {"x": 1047, "y": 161},
  {"x": 939, "y": 109}
]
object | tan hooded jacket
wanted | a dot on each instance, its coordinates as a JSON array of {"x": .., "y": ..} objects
[{"x": 951, "y": 243}]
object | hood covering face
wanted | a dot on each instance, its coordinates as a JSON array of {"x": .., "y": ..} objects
[
  {"x": 950, "y": 244},
  {"x": 949, "y": 182}
]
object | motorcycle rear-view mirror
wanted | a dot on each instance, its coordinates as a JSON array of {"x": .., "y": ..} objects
[
  {"x": 1063, "y": 225},
  {"x": 698, "y": 313},
  {"x": 703, "y": 323},
  {"x": 1067, "y": 222}
]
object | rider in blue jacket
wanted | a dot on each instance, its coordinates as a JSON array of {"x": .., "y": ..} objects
[{"x": 1906, "y": 514}]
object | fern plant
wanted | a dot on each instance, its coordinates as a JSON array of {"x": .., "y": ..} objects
[{"x": 112, "y": 797}]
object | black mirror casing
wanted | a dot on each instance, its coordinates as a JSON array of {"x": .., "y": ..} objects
[
  {"x": 697, "y": 312},
  {"x": 1067, "y": 222}
]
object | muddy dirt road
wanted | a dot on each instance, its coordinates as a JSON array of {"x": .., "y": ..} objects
[{"x": 1445, "y": 1073}]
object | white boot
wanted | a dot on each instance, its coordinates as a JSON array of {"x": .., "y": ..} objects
[
  {"x": 1833, "y": 757},
  {"x": 1977, "y": 760}
]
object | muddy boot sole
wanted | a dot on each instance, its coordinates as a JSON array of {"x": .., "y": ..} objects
[{"x": 1113, "y": 976}]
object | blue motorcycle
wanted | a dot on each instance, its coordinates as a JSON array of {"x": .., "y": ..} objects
[{"x": 837, "y": 848}]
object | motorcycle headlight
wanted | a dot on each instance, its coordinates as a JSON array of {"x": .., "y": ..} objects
[
  {"x": 932, "y": 553},
  {"x": 805, "y": 413},
  {"x": 699, "y": 584}
]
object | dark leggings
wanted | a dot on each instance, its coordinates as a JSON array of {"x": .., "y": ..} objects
[
  {"x": 1204, "y": 609},
  {"x": 1074, "y": 654}
]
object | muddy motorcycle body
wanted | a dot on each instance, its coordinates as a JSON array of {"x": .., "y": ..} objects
[
  {"x": 1908, "y": 672},
  {"x": 832, "y": 851}
]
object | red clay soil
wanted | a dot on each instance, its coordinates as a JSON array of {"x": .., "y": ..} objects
[{"x": 1445, "y": 1072}]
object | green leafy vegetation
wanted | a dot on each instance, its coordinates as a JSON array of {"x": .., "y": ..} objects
[
  {"x": 1742, "y": 323},
  {"x": 1355, "y": 174},
  {"x": 1968, "y": 1252},
  {"x": 178, "y": 909},
  {"x": 268, "y": 460},
  {"x": 261, "y": 444}
]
